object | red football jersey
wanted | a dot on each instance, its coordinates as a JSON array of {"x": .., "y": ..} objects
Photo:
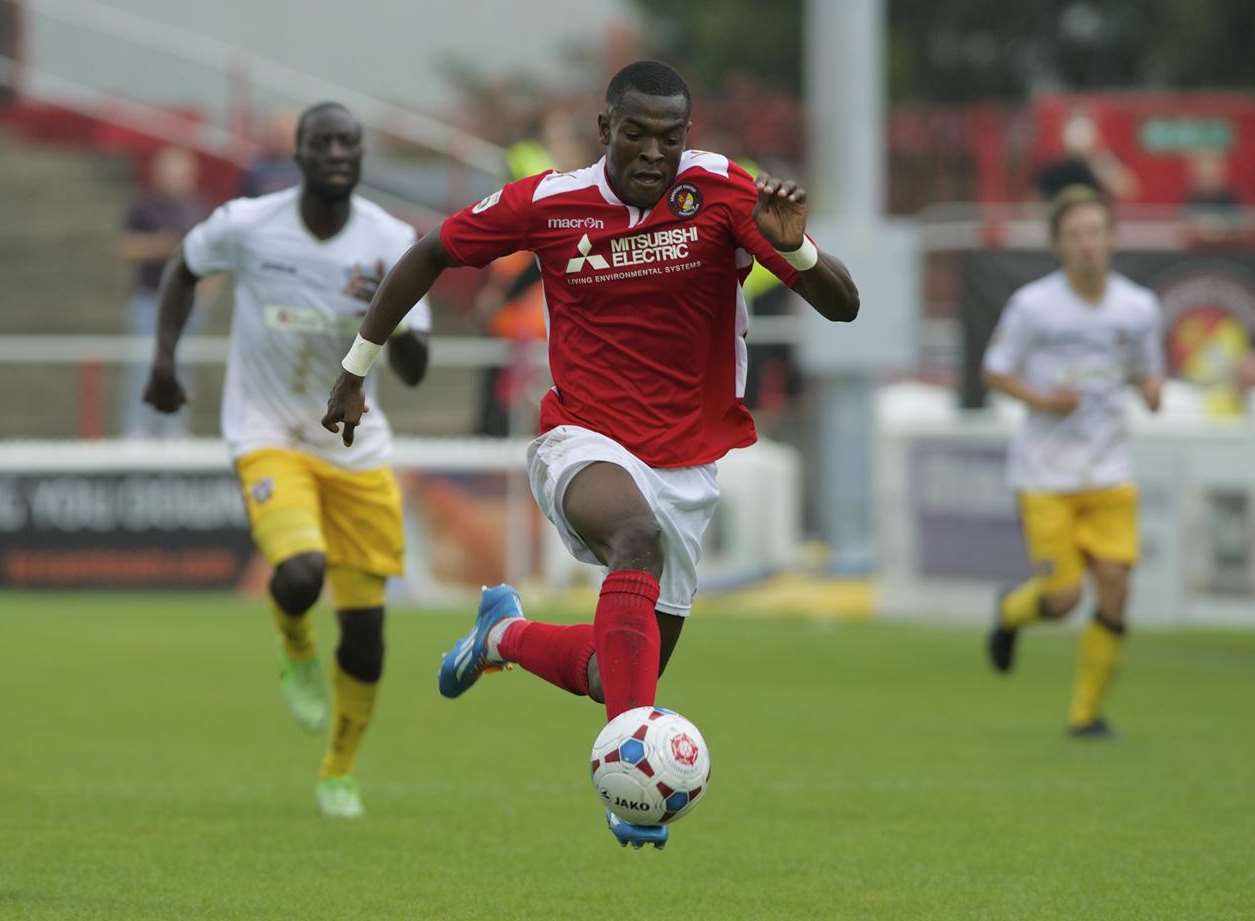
[{"x": 647, "y": 320}]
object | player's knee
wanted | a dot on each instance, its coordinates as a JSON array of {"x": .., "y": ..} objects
[
  {"x": 637, "y": 544},
  {"x": 297, "y": 582},
  {"x": 361, "y": 648},
  {"x": 1059, "y": 602}
]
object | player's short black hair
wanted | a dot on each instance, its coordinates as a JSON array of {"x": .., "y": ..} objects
[
  {"x": 652, "y": 78},
  {"x": 1073, "y": 196},
  {"x": 316, "y": 109}
]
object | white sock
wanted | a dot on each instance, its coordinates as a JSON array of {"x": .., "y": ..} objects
[{"x": 494, "y": 638}]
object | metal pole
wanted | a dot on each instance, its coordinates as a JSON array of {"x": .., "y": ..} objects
[
  {"x": 845, "y": 92},
  {"x": 845, "y": 77},
  {"x": 518, "y": 530}
]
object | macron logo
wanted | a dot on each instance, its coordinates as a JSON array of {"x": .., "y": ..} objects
[
  {"x": 576, "y": 223},
  {"x": 585, "y": 247}
]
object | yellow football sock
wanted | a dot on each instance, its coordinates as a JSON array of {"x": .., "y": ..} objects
[
  {"x": 297, "y": 633},
  {"x": 1099, "y": 657},
  {"x": 1022, "y": 605},
  {"x": 349, "y": 718}
]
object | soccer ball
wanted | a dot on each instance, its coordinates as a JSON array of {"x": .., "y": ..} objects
[{"x": 650, "y": 766}]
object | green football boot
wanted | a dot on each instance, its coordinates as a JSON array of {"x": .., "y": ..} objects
[
  {"x": 301, "y": 684},
  {"x": 340, "y": 798}
]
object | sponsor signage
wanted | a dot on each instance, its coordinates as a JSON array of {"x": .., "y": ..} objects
[{"x": 122, "y": 530}]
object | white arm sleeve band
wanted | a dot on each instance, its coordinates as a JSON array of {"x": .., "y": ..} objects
[
  {"x": 361, "y": 356},
  {"x": 805, "y": 257}
]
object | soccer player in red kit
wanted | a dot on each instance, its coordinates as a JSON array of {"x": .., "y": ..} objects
[{"x": 642, "y": 256}]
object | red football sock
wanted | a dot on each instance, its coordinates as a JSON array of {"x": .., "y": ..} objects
[
  {"x": 559, "y": 653},
  {"x": 626, "y": 635}
]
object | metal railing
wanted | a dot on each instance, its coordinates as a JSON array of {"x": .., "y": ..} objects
[
  {"x": 89, "y": 357},
  {"x": 446, "y": 351},
  {"x": 233, "y": 63},
  {"x": 129, "y": 113}
]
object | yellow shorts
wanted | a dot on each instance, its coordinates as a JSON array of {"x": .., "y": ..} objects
[
  {"x": 1061, "y": 530},
  {"x": 300, "y": 504}
]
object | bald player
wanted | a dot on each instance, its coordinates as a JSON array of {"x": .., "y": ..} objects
[{"x": 306, "y": 262}]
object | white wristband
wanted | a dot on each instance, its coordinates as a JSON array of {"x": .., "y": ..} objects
[
  {"x": 361, "y": 356},
  {"x": 804, "y": 257}
]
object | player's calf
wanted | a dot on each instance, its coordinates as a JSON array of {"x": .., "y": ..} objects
[
  {"x": 294, "y": 587},
  {"x": 361, "y": 650},
  {"x": 359, "y": 665},
  {"x": 669, "y": 628},
  {"x": 1026, "y": 604},
  {"x": 627, "y": 640}
]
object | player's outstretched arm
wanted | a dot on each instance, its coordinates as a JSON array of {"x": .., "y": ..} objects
[
  {"x": 407, "y": 350},
  {"x": 823, "y": 281},
  {"x": 1061, "y": 402},
  {"x": 402, "y": 288},
  {"x": 175, "y": 298}
]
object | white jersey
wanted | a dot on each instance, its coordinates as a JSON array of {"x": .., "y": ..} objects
[
  {"x": 294, "y": 320},
  {"x": 1050, "y": 338}
]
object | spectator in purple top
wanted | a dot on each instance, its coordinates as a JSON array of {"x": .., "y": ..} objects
[
  {"x": 155, "y": 222},
  {"x": 274, "y": 168}
]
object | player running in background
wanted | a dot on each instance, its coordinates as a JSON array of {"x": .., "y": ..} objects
[
  {"x": 1067, "y": 345},
  {"x": 305, "y": 259},
  {"x": 642, "y": 254}
]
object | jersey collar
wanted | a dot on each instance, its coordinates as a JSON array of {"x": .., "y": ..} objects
[{"x": 635, "y": 215}]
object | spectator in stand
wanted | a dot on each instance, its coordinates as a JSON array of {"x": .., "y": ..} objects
[
  {"x": 1209, "y": 181},
  {"x": 155, "y": 222},
  {"x": 1086, "y": 162},
  {"x": 1212, "y": 209},
  {"x": 274, "y": 168}
]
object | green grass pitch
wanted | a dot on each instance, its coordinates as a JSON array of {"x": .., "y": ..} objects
[{"x": 861, "y": 771}]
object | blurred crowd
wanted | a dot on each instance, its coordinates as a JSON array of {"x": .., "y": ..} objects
[{"x": 540, "y": 129}]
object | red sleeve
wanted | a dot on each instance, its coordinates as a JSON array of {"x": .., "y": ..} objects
[
  {"x": 743, "y": 198},
  {"x": 496, "y": 226}
]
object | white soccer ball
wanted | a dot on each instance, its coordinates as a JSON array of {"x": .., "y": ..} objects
[{"x": 650, "y": 766}]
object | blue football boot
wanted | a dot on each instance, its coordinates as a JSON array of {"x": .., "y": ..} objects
[
  {"x": 636, "y": 835},
  {"x": 462, "y": 665}
]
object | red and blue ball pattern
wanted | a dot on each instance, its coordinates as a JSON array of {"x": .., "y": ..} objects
[{"x": 650, "y": 765}]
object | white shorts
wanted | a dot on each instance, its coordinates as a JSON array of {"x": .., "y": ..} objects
[{"x": 682, "y": 499}]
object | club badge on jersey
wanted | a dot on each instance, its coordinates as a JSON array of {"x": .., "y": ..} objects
[{"x": 685, "y": 200}]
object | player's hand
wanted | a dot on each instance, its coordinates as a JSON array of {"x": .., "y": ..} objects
[
  {"x": 163, "y": 392},
  {"x": 780, "y": 212},
  {"x": 1062, "y": 402},
  {"x": 347, "y": 404},
  {"x": 363, "y": 285}
]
